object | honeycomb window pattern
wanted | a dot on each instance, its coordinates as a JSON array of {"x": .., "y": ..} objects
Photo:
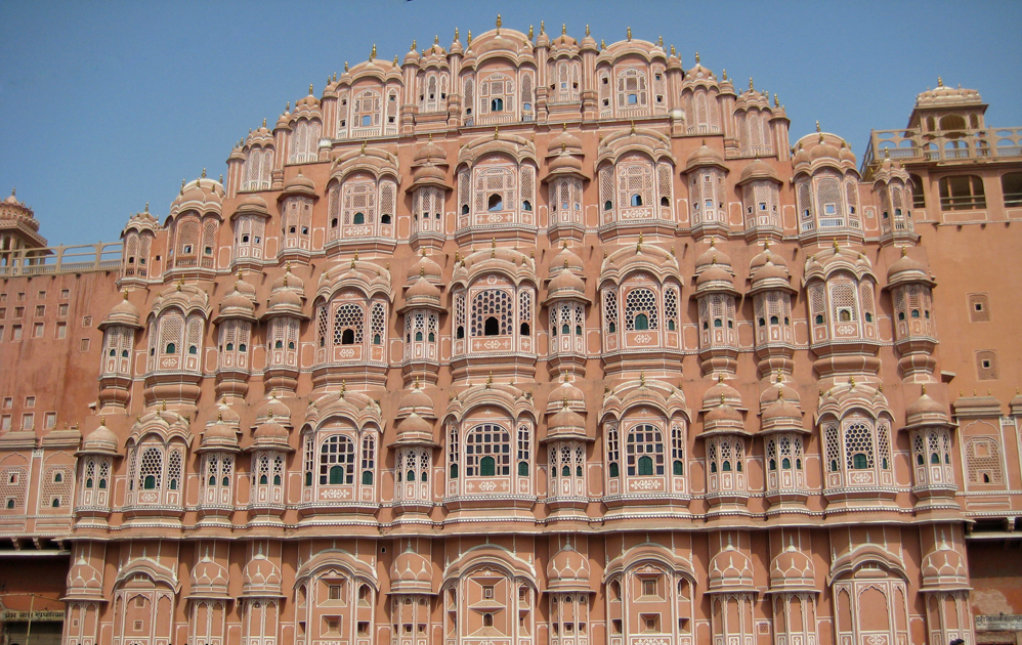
[
  {"x": 350, "y": 318},
  {"x": 491, "y": 303},
  {"x": 859, "y": 446},
  {"x": 640, "y": 310}
]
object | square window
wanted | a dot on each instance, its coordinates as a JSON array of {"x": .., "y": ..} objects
[
  {"x": 16, "y": 332},
  {"x": 62, "y": 310},
  {"x": 29, "y": 401},
  {"x": 5, "y": 422},
  {"x": 65, "y": 294},
  {"x": 61, "y": 330},
  {"x": 8, "y": 402},
  {"x": 38, "y": 330},
  {"x": 27, "y": 421},
  {"x": 3, "y": 312},
  {"x": 42, "y": 295},
  {"x": 50, "y": 420},
  {"x": 84, "y": 346},
  {"x": 19, "y": 312}
]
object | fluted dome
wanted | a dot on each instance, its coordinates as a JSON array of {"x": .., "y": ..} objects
[
  {"x": 565, "y": 258},
  {"x": 731, "y": 570},
  {"x": 566, "y": 283},
  {"x": 237, "y": 305},
  {"x": 260, "y": 577},
  {"x": 414, "y": 430},
  {"x": 712, "y": 256},
  {"x": 907, "y": 269},
  {"x": 565, "y": 423},
  {"x": 422, "y": 289},
  {"x": 944, "y": 568},
  {"x": 705, "y": 156},
  {"x": 793, "y": 570},
  {"x": 271, "y": 434},
  {"x": 758, "y": 170},
  {"x": 416, "y": 400},
  {"x": 203, "y": 194},
  {"x": 84, "y": 581},
  {"x": 721, "y": 391},
  {"x": 425, "y": 267},
  {"x": 273, "y": 408},
  {"x": 411, "y": 573},
  {"x": 209, "y": 579},
  {"x": 568, "y": 570},
  {"x": 219, "y": 436}
]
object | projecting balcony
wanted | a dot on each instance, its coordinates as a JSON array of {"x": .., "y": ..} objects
[{"x": 941, "y": 145}]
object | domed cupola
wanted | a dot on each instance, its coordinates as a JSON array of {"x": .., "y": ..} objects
[
  {"x": 792, "y": 570},
  {"x": 769, "y": 272},
  {"x": 723, "y": 414},
  {"x": 101, "y": 441},
  {"x": 423, "y": 284},
  {"x": 123, "y": 314},
  {"x": 944, "y": 569},
  {"x": 780, "y": 409},
  {"x": 287, "y": 296},
  {"x": 429, "y": 167},
  {"x": 237, "y": 305},
  {"x": 202, "y": 195},
  {"x": 906, "y": 270},
  {"x": 731, "y": 571},
  {"x": 415, "y": 418},
  {"x": 568, "y": 571},
  {"x": 299, "y": 185},
  {"x": 411, "y": 573},
  {"x": 926, "y": 411},
  {"x": 261, "y": 578},
  {"x": 220, "y": 435},
  {"x": 272, "y": 429},
  {"x": 714, "y": 273}
]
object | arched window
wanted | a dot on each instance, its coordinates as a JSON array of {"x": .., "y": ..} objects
[
  {"x": 358, "y": 218},
  {"x": 488, "y": 450},
  {"x": 337, "y": 460},
  {"x": 491, "y": 327},
  {"x": 497, "y": 105},
  {"x": 494, "y": 203},
  {"x": 641, "y": 322}
]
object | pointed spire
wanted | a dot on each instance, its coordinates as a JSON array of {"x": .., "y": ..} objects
[
  {"x": 457, "y": 35},
  {"x": 660, "y": 40},
  {"x": 587, "y": 29},
  {"x": 530, "y": 32},
  {"x": 372, "y": 52},
  {"x": 723, "y": 73},
  {"x": 468, "y": 41},
  {"x": 697, "y": 58},
  {"x": 436, "y": 39},
  {"x": 499, "y": 23},
  {"x": 777, "y": 103},
  {"x": 203, "y": 173},
  {"x": 310, "y": 89},
  {"x": 750, "y": 84},
  {"x": 628, "y": 33},
  {"x": 345, "y": 65},
  {"x": 564, "y": 29},
  {"x": 817, "y": 125}
]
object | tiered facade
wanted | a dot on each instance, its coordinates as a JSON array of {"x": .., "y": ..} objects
[{"x": 526, "y": 341}]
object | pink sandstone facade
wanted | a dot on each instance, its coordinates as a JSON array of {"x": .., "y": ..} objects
[{"x": 528, "y": 341}]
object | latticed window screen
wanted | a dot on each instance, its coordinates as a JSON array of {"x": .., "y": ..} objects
[
  {"x": 726, "y": 456},
  {"x": 983, "y": 459},
  {"x": 469, "y": 94},
  {"x": 816, "y": 306},
  {"x": 527, "y": 92},
  {"x": 528, "y": 186},
  {"x": 852, "y": 197},
  {"x": 13, "y": 484},
  {"x": 487, "y": 442},
  {"x": 842, "y": 299},
  {"x": 859, "y": 441},
  {"x": 194, "y": 334},
  {"x": 171, "y": 332},
  {"x": 174, "y": 469},
  {"x": 671, "y": 307},
  {"x": 645, "y": 442},
  {"x": 309, "y": 460},
  {"x": 866, "y": 297},
  {"x": 610, "y": 308},
  {"x": 833, "y": 447},
  {"x": 367, "y": 104},
  {"x": 640, "y": 301},
  {"x": 452, "y": 448},
  {"x": 379, "y": 318},
  {"x": 525, "y": 306},
  {"x": 805, "y": 204},
  {"x": 459, "y": 310},
  {"x": 884, "y": 445},
  {"x": 771, "y": 454},
  {"x": 150, "y": 469},
  {"x": 665, "y": 183},
  {"x": 349, "y": 316},
  {"x": 463, "y": 188},
  {"x": 491, "y": 303},
  {"x": 606, "y": 187},
  {"x": 337, "y": 460},
  {"x": 828, "y": 193},
  {"x": 56, "y": 488},
  {"x": 387, "y": 199}
]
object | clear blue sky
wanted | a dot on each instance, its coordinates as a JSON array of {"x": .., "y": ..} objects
[{"x": 107, "y": 105}]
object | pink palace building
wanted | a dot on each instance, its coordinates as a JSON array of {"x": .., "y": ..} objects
[{"x": 528, "y": 340}]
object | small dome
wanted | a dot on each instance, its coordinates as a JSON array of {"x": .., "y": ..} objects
[
  {"x": 415, "y": 400},
  {"x": 284, "y": 301},
  {"x": 721, "y": 391},
  {"x": 101, "y": 441},
  {"x": 219, "y": 435},
  {"x": 411, "y": 573},
  {"x": 209, "y": 579},
  {"x": 299, "y": 185},
  {"x": 260, "y": 577},
  {"x": 565, "y": 422},
  {"x": 123, "y": 313},
  {"x": 568, "y": 570},
  {"x": 430, "y": 152},
  {"x": 253, "y": 205},
  {"x": 565, "y": 258},
  {"x": 705, "y": 156},
  {"x": 273, "y": 408},
  {"x": 908, "y": 269},
  {"x": 944, "y": 568},
  {"x": 425, "y": 267},
  {"x": 84, "y": 580},
  {"x": 758, "y": 170},
  {"x": 423, "y": 289},
  {"x": 565, "y": 163},
  {"x": 731, "y": 570},
  {"x": 289, "y": 280},
  {"x": 792, "y": 569},
  {"x": 565, "y": 392},
  {"x": 237, "y": 305},
  {"x": 271, "y": 434},
  {"x": 414, "y": 430},
  {"x": 926, "y": 411},
  {"x": 566, "y": 282},
  {"x": 714, "y": 276},
  {"x": 712, "y": 256},
  {"x": 564, "y": 142}
]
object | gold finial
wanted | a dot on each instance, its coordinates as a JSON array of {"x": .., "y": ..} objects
[
  {"x": 496, "y": 132},
  {"x": 363, "y": 150},
  {"x": 180, "y": 284},
  {"x": 310, "y": 89},
  {"x": 436, "y": 39},
  {"x": 836, "y": 247},
  {"x": 587, "y": 29},
  {"x": 674, "y": 52},
  {"x": 766, "y": 245},
  {"x": 720, "y": 377},
  {"x": 220, "y": 415},
  {"x": 628, "y": 33},
  {"x": 542, "y": 26},
  {"x": 603, "y": 44},
  {"x": 102, "y": 421},
  {"x": 851, "y": 382},
  {"x": 633, "y": 127},
  {"x": 817, "y": 125},
  {"x": 469, "y": 39},
  {"x": 163, "y": 406},
  {"x": 660, "y": 40},
  {"x": 125, "y": 294},
  {"x": 345, "y": 65},
  {"x": 924, "y": 388},
  {"x": 395, "y": 60},
  {"x": 499, "y": 23},
  {"x": 203, "y": 173},
  {"x": 344, "y": 387},
  {"x": 722, "y": 401},
  {"x": 697, "y": 58},
  {"x": 723, "y": 73},
  {"x": 457, "y": 35},
  {"x": 264, "y": 122},
  {"x": 372, "y": 52},
  {"x": 14, "y": 192},
  {"x": 564, "y": 29},
  {"x": 335, "y": 77},
  {"x": 642, "y": 378},
  {"x": 489, "y": 380},
  {"x": 750, "y": 84},
  {"x": 940, "y": 81},
  {"x": 780, "y": 378},
  {"x": 777, "y": 103},
  {"x": 713, "y": 242},
  {"x": 146, "y": 207},
  {"x": 221, "y": 179},
  {"x": 422, "y": 272},
  {"x": 530, "y": 32},
  {"x": 564, "y": 403},
  {"x": 182, "y": 187},
  {"x": 904, "y": 252},
  {"x": 287, "y": 107}
]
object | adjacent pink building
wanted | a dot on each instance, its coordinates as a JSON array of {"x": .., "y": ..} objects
[{"x": 528, "y": 340}]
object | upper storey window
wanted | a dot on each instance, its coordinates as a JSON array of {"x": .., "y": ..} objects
[
  {"x": 340, "y": 464},
  {"x": 296, "y": 222},
  {"x": 256, "y": 173},
  {"x": 760, "y": 199},
  {"x": 433, "y": 94},
  {"x": 351, "y": 327},
  {"x": 193, "y": 241},
  {"x": 491, "y": 458},
  {"x": 565, "y": 87},
  {"x": 305, "y": 141},
  {"x": 631, "y": 90},
  {"x": 427, "y": 210},
  {"x": 825, "y": 204},
  {"x": 136, "y": 254},
  {"x": 636, "y": 188},
  {"x": 496, "y": 98},
  {"x": 155, "y": 473},
  {"x": 646, "y": 458},
  {"x": 495, "y": 194},
  {"x": 649, "y": 317},
  {"x": 366, "y": 113},
  {"x": 499, "y": 317},
  {"x": 962, "y": 193},
  {"x": 361, "y": 207},
  {"x": 175, "y": 343}
]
